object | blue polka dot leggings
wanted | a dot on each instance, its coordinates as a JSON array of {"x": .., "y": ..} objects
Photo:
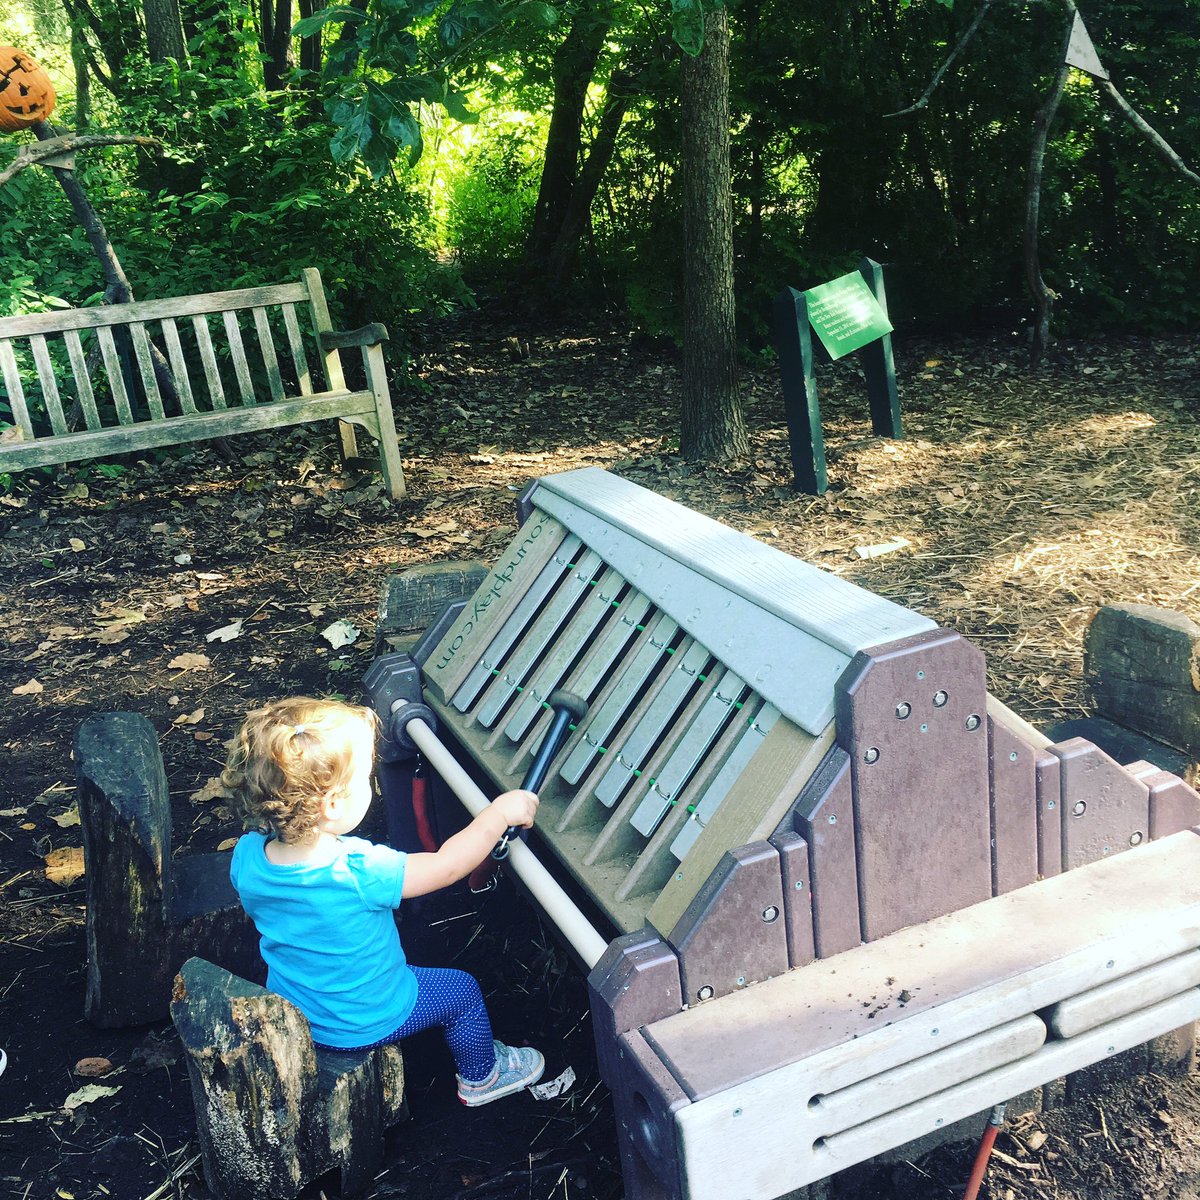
[{"x": 451, "y": 999}]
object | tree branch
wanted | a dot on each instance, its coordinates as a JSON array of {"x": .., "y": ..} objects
[
  {"x": 1160, "y": 144},
  {"x": 1162, "y": 147},
  {"x": 963, "y": 42},
  {"x": 37, "y": 152}
]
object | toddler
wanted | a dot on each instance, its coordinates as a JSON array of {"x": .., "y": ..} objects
[{"x": 300, "y": 774}]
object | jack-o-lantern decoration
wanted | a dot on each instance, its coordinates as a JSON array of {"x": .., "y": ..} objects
[{"x": 26, "y": 93}]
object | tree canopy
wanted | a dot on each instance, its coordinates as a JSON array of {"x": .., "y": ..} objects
[{"x": 419, "y": 150}]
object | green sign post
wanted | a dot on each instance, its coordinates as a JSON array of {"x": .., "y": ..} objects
[{"x": 846, "y": 314}]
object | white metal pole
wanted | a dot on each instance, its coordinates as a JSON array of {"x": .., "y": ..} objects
[{"x": 545, "y": 889}]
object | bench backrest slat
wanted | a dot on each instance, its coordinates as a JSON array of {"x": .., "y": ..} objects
[
  {"x": 16, "y": 393},
  {"x": 183, "y": 384},
  {"x": 83, "y": 382},
  {"x": 296, "y": 343},
  {"x": 266, "y": 345},
  {"x": 141, "y": 347},
  {"x": 208, "y": 356},
  {"x": 45, "y": 370},
  {"x": 151, "y": 310},
  {"x": 116, "y": 379},
  {"x": 335, "y": 381}
]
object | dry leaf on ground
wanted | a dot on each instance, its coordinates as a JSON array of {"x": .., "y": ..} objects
[
  {"x": 65, "y": 865},
  {"x": 190, "y": 662}
]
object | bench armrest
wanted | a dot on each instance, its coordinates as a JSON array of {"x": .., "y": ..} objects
[{"x": 367, "y": 335}]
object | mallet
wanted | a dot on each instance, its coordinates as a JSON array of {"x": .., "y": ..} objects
[
  {"x": 416, "y": 724},
  {"x": 566, "y": 707}
]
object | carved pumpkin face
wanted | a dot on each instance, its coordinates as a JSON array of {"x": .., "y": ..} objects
[{"x": 26, "y": 93}]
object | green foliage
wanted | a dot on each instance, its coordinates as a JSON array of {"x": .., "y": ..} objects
[
  {"x": 492, "y": 197},
  {"x": 400, "y": 55},
  {"x": 247, "y": 192}
]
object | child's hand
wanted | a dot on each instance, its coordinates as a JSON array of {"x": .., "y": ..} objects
[{"x": 518, "y": 807}]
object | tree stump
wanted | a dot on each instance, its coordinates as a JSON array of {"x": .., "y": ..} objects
[
  {"x": 1142, "y": 664},
  {"x": 145, "y": 912},
  {"x": 272, "y": 1112}
]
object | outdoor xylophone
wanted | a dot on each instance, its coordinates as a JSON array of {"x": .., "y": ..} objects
[{"x": 844, "y": 896}]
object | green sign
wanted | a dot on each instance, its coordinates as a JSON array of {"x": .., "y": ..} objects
[{"x": 845, "y": 314}]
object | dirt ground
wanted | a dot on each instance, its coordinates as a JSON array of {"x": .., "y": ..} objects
[{"x": 192, "y": 588}]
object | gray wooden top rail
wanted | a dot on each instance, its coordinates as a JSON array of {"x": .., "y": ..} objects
[{"x": 87, "y": 382}]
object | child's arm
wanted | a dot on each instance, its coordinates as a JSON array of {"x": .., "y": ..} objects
[{"x": 462, "y": 853}]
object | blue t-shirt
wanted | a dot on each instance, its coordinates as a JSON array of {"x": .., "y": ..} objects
[{"x": 329, "y": 937}]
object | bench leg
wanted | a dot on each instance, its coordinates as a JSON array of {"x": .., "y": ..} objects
[
  {"x": 389, "y": 452},
  {"x": 348, "y": 441}
]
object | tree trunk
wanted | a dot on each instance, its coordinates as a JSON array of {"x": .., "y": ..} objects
[
  {"x": 276, "y": 39},
  {"x": 712, "y": 427},
  {"x": 574, "y": 64},
  {"x": 563, "y": 254},
  {"x": 83, "y": 82},
  {"x": 164, "y": 31},
  {"x": 116, "y": 285},
  {"x": 310, "y": 47},
  {"x": 1043, "y": 297}
]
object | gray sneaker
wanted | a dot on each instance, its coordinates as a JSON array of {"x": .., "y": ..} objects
[{"x": 516, "y": 1068}]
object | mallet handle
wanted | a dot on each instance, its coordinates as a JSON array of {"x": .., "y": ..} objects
[{"x": 578, "y": 931}]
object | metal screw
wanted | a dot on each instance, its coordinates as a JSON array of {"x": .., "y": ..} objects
[
  {"x": 770, "y": 913},
  {"x": 939, "y": 699},
  {"x": 920, "y": 674},
  {"x": 1110, "y": 964},
  {"x": 1012, "y": 757},
  {"x": 903, "y": 710},
  {"x": 679, "y": 876},
  {"x": 1049, "y": 803},
  {"x": 832, "y": 819},
  {"x": 1079, "y": 808},
  {"x": 799, "y": 885},
  {"x": 972, "y": 722},
  {"x": 737, "y": 1112},
  {"x": 872, "y": 755},
  {"x": 741, "y": 981},
  {"x": 705, "y": 993},
  {"x": 924, "y": 728},
  {"x": 1135, "y": 838},
  {"x": 933, "y": 1032}
]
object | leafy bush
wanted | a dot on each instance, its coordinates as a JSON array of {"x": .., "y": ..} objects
[{"x": 492, "y": 197}]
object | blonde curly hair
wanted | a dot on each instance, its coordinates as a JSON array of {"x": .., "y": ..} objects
[{"x": 289, "y": 756}]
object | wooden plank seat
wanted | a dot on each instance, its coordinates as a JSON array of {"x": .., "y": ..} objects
[
  {"x": 764, "y": 1091},
  {"x": 166, "y": 372}
]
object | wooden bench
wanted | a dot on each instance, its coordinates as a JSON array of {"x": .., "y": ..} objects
[{"x": 165, "y": 372}]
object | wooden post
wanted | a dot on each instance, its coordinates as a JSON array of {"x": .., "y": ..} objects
[
  {"x": 793, "y": 341},
  {"x": 145, "y": 912},
  {"x": 125, "y": 813},
  {"x": 878, "y": 364},
  {"x": 272, "y": 1112}
]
